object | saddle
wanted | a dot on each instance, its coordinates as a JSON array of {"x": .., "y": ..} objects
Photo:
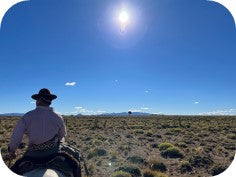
[{"x": 61, "y": 161}]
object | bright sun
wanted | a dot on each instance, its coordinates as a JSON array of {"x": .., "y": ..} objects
[{"x": 123, "y": 17}]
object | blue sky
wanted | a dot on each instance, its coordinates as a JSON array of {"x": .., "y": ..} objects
[{"x": 173, "y": 57}]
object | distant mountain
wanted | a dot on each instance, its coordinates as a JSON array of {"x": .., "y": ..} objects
[
  {"x": 79, "y": 115},
  {"x": 12, "y": 114},
  {"x": 126, "y": 114}
]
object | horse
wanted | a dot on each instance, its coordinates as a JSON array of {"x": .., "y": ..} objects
[
  {"x": 43, "y": 172},
  {"x": 65, "y": 163}
]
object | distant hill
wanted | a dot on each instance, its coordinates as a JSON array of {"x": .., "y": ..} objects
[
  {"x": 126, "y": 114},
  {"x": 106, "y": 114},
  {"x": 79, "y": 115},
  {"x": 12, "y": 114}
]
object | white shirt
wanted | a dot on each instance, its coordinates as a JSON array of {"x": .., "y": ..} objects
[{"x": 40, "y": 124}]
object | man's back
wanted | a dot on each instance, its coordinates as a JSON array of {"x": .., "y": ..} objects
[{"x": 40, "y": 124}]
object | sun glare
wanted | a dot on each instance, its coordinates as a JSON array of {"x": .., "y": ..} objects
[
  {"x": 124, "y": 17},
  {"x": 123, "y": 20}
]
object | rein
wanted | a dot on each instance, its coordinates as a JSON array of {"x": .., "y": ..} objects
[{"x": 85, "y": 166}]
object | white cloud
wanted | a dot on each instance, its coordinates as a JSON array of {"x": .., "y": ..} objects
[
  {"x": 70, "y": 84},
  {"x": 100, "y": 112},
  {"x": 138, "y": 110},
  {"x": 33, "y": 102},
  {"x": 147, "y": 91},
  {"x": 157, "y": 113},
  {"x": 82, "y": 110},
  {"x": 78, "y": 107},
  {"x": 134, "y": 110},
  {"x": 74, "y": 112},
  {"x": 220, "y": 112},
  {"x": 144, "y": 108},
  {"x": 196, "y": 102}
]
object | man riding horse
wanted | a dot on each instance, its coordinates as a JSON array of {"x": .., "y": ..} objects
[{"x": 46, "y": 131}]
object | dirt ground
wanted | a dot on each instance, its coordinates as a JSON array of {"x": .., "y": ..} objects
[{"x": 198, "y": 145}]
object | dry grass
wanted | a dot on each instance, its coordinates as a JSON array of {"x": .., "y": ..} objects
[{"x": 143, "y": 144}]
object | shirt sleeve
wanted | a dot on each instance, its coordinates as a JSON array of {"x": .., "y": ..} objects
[
  {"x": 17, "y": 135},
  {"x": 62, "y": 131}
]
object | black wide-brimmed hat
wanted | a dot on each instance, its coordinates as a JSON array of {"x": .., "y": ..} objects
[{"x": 44, "y": 94}]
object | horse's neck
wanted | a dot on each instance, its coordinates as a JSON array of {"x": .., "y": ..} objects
[{"x": 44, "y": 173}]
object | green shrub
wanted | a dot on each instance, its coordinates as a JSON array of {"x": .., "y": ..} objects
[
  {"x": 232, "y": 136},
  {"x": 113, "y": 156},
  {"x": 150, "y": 139},
  {"x": 120, "y": 174},
  {"x": 129, "y": 136},
  {"x": 101, "y": 137},
  {"x": 97, "y": 142},
  {"x": 150, "y": 173},
  {"x": 185, "y": 167},
  {"x": 154, "y": 145},
  {"x": 87, "y": 138},
  {"x": 182, "y": 144},
  {"x": 157, "y": 165},
  {"x": 216, "y": 170},
  {"x": 200, "y": 161},
  {"x": 169, "y": 132},
  {"x": 99, "y": 163},
  {"x": 158, "y": 136},
  {"x": 97, "y": 152},
  {"x": 134, "y": 171},
  {"x": 172, "y": 152},
  {"x": 91, "y": 169},
  {"x": 177, "y": 130},
  {"x": 139, "y": 131},
  {"x": 124, "y": 148},
  {"x": 165, "y": 125},
  {"x": 165, "y": 145},
  {"x": 230, "y": 146},
  {"x": 149, "y": 133},
  {"x": 136, "y": 159}
]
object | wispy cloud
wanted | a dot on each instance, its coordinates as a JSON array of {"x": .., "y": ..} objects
[
  {"x": 157, "y": 113},
  {"x": 196, "y": 102},
  {"x": 116, "y": 80},
  {"x": 70, "y": 84},
  {"x": 78, "y": 107},
  {"x": 220, "y": 112},
  {"x": 100, "y": 112},
  {"x": 134, "y": 110},
  {"x": 138, "y": 109},
  {"x": 82, "y": 110},
  {"x": 74, "y": 112},
  {"x": 147, "y": 91},
  {"x": 33, "y": 102},
  {"x": 144, "y": 108}
]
